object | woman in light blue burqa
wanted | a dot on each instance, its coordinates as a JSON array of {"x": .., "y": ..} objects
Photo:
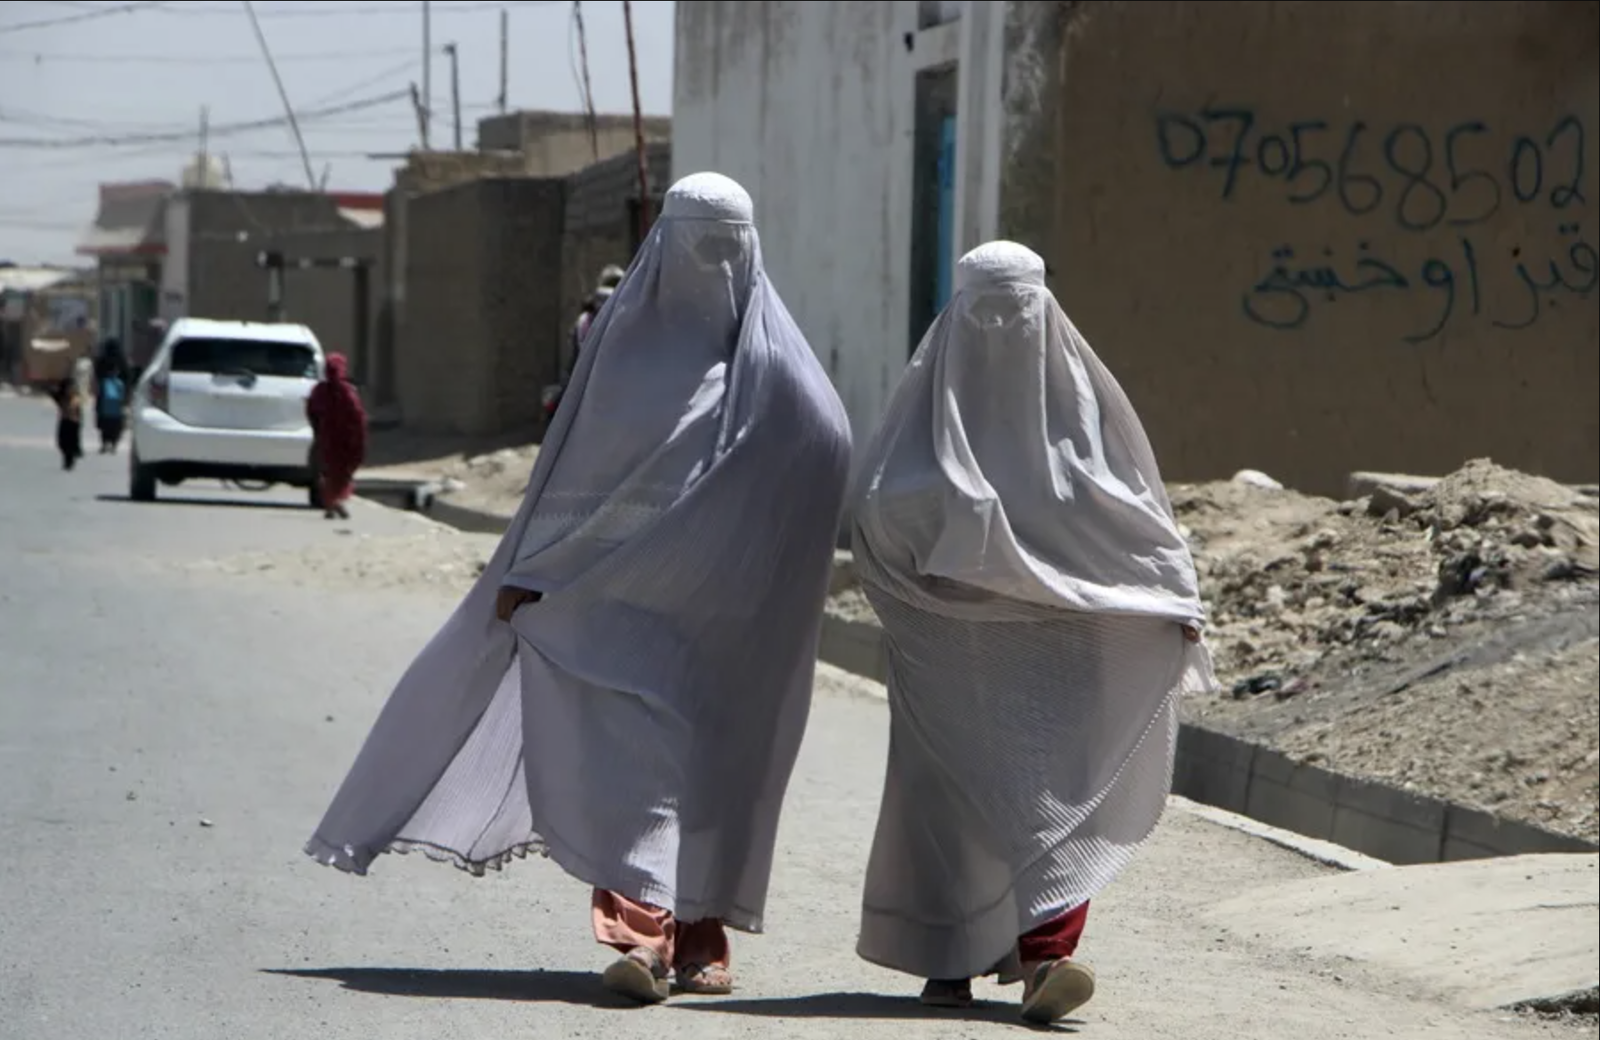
[{"x": 626, "y": 687}]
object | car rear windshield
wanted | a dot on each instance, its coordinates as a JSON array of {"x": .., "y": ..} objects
[{"x": 258, "y": 357}]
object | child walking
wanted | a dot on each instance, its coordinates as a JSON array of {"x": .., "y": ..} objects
[
  {"x": 110, "y": 405},
  {"x": 69, "y": 422}
]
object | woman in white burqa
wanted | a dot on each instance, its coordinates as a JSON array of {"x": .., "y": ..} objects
[
  {"x": 1042, "y": 618},
  {"x": 626, "y": 687}
]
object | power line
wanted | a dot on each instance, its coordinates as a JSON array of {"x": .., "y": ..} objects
[
  {"x": 389, "y": 73},
  {"x": 83, "y": 16},
  {"x": 192, "y": 10},
  {"x": 30, "y": 224},
  {"x": 342, "y": 10},
  {"x": 100, "y": 140},
  {"x": 42, "y": 57}
]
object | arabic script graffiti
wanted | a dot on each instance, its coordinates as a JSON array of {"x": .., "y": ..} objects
[{"x": 1283, "y": 298}]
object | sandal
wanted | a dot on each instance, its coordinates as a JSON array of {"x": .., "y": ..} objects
[
  {"x": 638, "y": 976},
  {"x": 1055, "y": 990},
  {"x": 705, "y": 980},
  {"x": 947, "y": 993}
]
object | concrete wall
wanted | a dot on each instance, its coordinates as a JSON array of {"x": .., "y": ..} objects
[
  {"x": 1315, "y": 237},
  {"x": 555, "y": 144},
  {"x": 600, "y": 226},
  {"x": 809, "y": 106},
  {"x": 228, "y": 229},
  {"x": 479, "y": 338},
  {"x": 423, "y": 172}
]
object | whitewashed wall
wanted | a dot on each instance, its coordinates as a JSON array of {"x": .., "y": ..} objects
[{"x": 809, "y": 106}]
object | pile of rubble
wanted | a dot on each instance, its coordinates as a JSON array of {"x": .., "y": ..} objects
[
  {"x": 1442, "y": 636},
  {"x": 1292, "y": 580}
]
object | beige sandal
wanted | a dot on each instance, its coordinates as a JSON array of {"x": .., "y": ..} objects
[
  {"x": 638, "y": 976},
  {"x": 1055, "y": 990},
  {"x": 947, "y": 993},
  {"x": 705, "y": 980}
]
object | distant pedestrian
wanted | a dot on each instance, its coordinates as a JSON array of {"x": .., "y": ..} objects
[
  {"x": 112, "y": 360},
  {"x": 83, "y": 378},
  {"x": 1042, "y": 618},
  {"x": 339, "y": 426},
  {"x": 110, "y": 409},
  {"x": 626, "y": 686},
  {"x": 610, "y": 277},
  {"x": 69, "y": 422}
]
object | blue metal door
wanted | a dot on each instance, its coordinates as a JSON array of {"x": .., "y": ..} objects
[{"x": 947, "y": 212}]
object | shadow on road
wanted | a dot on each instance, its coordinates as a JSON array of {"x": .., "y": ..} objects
[
  {"x": 870, "y": 1006},
  {"x": 535, "y": 987},
  {"x": 583, "y": 988},
  {"x": 219, "y": 503}
]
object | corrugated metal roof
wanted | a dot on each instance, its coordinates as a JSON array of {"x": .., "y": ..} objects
[
  {"x": 362, "y": 218},
  {"x": 33, "y": 279}
]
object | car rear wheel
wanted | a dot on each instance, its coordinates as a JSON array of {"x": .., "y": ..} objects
[{"x": 141, "y": 479}]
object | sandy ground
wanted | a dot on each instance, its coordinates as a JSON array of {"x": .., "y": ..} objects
[{"x": 484, "y": 475}]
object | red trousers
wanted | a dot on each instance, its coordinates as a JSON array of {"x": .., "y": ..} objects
[{"x": 1056, "y": 939}]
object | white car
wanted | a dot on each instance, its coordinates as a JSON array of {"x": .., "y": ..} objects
[{"x": 225, "y": 400}]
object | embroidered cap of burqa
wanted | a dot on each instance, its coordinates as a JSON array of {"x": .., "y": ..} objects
[
  {"x": 1013, "y": 533},
  {"x": 639, "y": 724}
]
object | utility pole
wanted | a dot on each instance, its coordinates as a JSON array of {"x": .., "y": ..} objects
[
  {"x": 455, "y": 90},
  {"x": 283, "y": 95},
  {"x": 427, "y": 72},
  {"x": 505, "y": 60},
  {"x": 422, "y": 117},
  {"x": 205, "y": 148},
  {"x": 638, "y": 123},
  {"x": 588, "y": 91}
]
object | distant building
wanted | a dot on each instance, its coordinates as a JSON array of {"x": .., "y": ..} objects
[
  {"x": 555, "y": 144},
  {"x": 128, "y": 242}
]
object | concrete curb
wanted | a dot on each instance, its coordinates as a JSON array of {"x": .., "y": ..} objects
[
  {"x": 1324, "y": 852},
  {"x": 1367, "y": 817},
  {"x": 463, "y": 518},
  {"x": 430, "y": 500}
]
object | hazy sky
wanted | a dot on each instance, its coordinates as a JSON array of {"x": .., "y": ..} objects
[{"x": 77, "y": 80}]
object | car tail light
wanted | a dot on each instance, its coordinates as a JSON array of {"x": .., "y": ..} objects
[{"x": 159, "y": 396}]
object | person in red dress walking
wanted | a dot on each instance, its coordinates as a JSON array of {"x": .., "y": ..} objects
[{"x": 339, "y": 423}]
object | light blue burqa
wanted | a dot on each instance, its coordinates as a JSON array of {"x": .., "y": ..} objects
[{"x": 640, "y": 722}]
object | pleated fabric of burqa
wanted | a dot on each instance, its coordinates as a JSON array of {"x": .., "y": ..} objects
[
  {"x": 640, "y": 722},
  {"x": 1013, "y": 534}
]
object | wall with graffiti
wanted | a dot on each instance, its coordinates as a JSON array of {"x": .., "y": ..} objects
[{"x": 1317, "y": 237}]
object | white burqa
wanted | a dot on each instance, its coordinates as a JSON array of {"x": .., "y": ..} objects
[
  {"x": 1013, "y": 534},
  {"x": 638, "y": 724}
]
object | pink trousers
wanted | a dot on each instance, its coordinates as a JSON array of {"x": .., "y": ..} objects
[{"x": 625, "y": 925}]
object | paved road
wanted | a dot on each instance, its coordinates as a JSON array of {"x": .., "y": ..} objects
[{"x": 169, "y": 736}]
